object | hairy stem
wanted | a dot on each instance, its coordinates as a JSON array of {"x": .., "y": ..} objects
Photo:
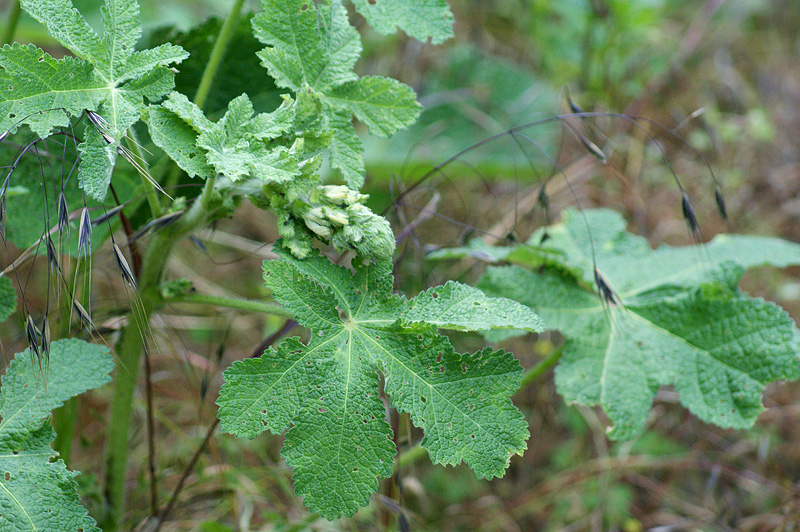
[
  {"x": 539, "y": 369},
  {"x": 204, "y": 88},
  {"x": 217, "y": 53},
  {"x": 129, "y": 351},
  {"x": 230, "y": 302}
]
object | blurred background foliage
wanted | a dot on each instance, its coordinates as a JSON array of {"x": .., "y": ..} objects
[{"x": 723, "y": 76}]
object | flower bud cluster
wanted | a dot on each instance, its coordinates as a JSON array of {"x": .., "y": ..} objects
[{"x": 337, "y": 214}]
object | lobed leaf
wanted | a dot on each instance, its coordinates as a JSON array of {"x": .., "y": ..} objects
[
  {"x": 419, "y": 19},
  {"x": 339, "y": 442},
  {"x": 314, "y": 48},
  {"x": 108, "y": 76},
  {"x": 681, "y": 321},
  {"x": 462, "y": 307},
  {"x": 383, "y": 104}
]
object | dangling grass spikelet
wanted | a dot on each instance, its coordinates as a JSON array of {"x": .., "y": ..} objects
[
  {"x": 607, "y": 294},
  {"x": 122, "y": 264},
  {"x": 52, "y": 256},
  {"x": 85, "y": 234},
  {"x": 574, "y": 106},
  {"x": 689, "y": 215},
  {"x": 593, "y": 149},
  {"x": 107, "y": 215},
  {"x": 63, "y": 213},
  {"x": 45, "y": 347},
  {"x": 83, "y": 315},
  {"x": 34, "y": 337},
  {"x": 720, "y": 200}
]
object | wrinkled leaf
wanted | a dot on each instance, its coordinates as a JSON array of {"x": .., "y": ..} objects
[
  {"x": 37, "y": 491},
  {"x": 327, "y": 390}
]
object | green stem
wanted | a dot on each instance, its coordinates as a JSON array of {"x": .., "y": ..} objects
[
  {"x": 210, "y": 72},
  {"x": 217, "y": 53},
  {"x": 411, "y": 455},
  {"x": 129, "y": 350},
  {"x": 11, "y": 26},
  {"x": 64, "y": 419},
  {"x": 246, "y": 305},
  {"x": 150, "y": 191},
  {"x": 539, "y": 369}
]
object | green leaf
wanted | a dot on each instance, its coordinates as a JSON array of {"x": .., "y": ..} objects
[
  {"x": 239, "y": 63},
  {"x": 306, "y": 45},
  {"x": 346, "y": 150},
  {"x": 326, "y": 392},
  {"x": 420, "y": 20},
  {"x": 235, "y": 145},
  {"x": 462, "y": 307},
  {"x": 383, "y": 104},
  {"x": 108, "y": 76},
  {"x": 49, "y": 90},
  {"x": 37, "y": 491},
  {"x": 178, "y": 140},
  {"x": 314, "y": 48},
  {"x": 681, "y": 322}
]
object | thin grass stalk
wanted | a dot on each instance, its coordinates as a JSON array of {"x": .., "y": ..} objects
[{"x": 149, "y": 189}]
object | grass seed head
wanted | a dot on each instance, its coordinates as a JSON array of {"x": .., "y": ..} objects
[
  {"x": 107, "y": 215},
  {"x": 122, "y": 264},
  {"x": 607, "y": 294},
  {"x": 85, "y": 234},
  {"x": 574, "y": 106},
  {"x": 34, "y": 336},
  {"x": 45, "y": 340},
  {"x": 83, "y": 315},
  {"x": 594, "y": 149},
  {"x": 63, "y": 213},
  {"x": 720, "y": 200},
  {"x": 52, "y": 256},
  {"x": 688, "y": 213}
]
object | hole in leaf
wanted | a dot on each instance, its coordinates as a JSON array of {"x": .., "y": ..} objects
[
  {"x": 322, "y": 410},
  {"x": 422, "y": 398},
  {"x": 435, "y": 295},
  {"x": 7, "y": 476}
]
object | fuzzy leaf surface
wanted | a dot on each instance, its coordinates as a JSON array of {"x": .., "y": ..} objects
[
  {"x": 326, "y": 392},
  {"x": 234, "y": 146},
  {"x": 108, "y": 76},
  {"x": 37, "y": 491},
  {"x": 420, "y": 19},
  {"x": 682, "y": 322},
  {"x": 315, "y": 47}
]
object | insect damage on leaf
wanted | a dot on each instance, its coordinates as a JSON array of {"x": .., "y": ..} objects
[
  {"x": 37, "y": 491},
  {"x": 675, "y": 320},
  {"x": 108, "y": 75},
  {"x": 328, "y": 390}
]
